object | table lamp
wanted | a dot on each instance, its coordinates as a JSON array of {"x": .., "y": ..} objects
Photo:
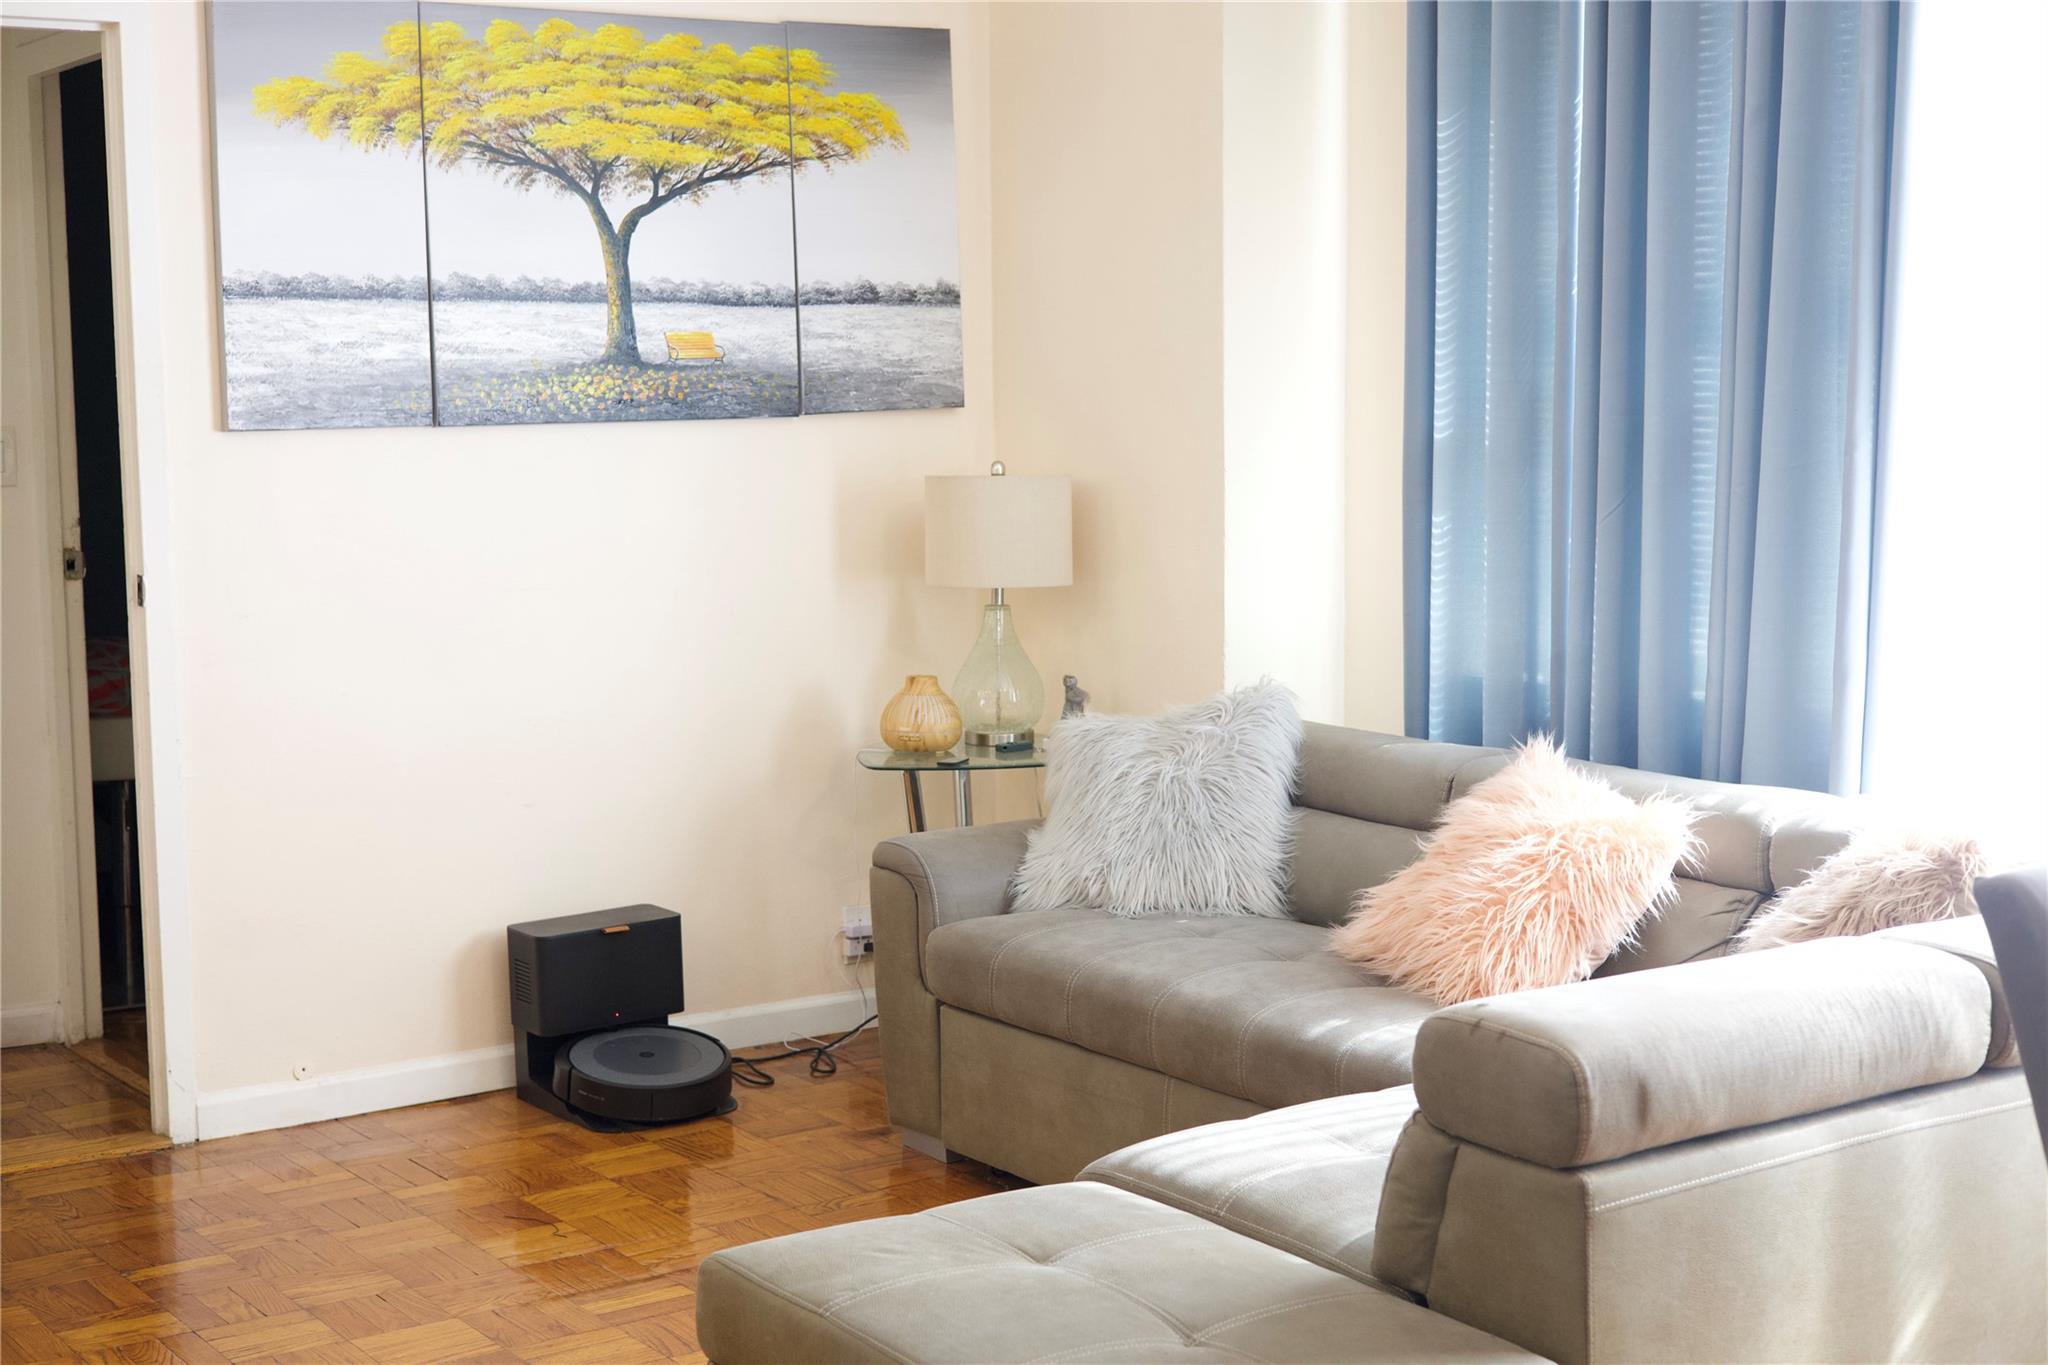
[{"x": 998, "y": 531}]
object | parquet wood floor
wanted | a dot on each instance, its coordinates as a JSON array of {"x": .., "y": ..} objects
[
  {"x": 56, "y": 1107},
  {"x": 123, "y": 1052},
  {"x": 475, "y": 1229}
]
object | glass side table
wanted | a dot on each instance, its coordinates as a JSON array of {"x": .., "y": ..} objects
[{"x": 979, "y": 760}]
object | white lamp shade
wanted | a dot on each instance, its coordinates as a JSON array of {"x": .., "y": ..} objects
[{"x": 998, "y": 530}]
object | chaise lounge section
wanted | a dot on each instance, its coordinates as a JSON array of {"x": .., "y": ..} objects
[{"x": 1821, "y": 1152}]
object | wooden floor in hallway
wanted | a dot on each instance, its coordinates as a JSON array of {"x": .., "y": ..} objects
[
  {"x": 474, "y": 1229},
  {"x": 60, "y": 1105}
]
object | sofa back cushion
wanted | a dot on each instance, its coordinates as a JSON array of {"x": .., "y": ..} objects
[{"x": 1365, "y": 799}]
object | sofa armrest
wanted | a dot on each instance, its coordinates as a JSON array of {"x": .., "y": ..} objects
[
  {"x": 955, "y": 874},
  {"x": 918, "y": 883},
  {"x": 1601, "y": 1069},
  {"x": 1969, "y": 939}
]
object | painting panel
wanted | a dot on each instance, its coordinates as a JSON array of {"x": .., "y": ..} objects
[
  {"x": 608, "y": 210},
  {"x": 878, "y": 246},
  {"x": 324, "y": 314}
]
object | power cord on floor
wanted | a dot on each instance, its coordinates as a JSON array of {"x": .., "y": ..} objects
[{"x": 747, "y": 1070}]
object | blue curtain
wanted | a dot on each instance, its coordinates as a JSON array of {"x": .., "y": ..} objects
[{"x": 1646, "y": 284}]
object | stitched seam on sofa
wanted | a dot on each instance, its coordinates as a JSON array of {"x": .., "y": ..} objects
[
  {"x": 1843, "y": 1144},
  {"x": 997, "y": 961},
  {"x": 1585, "y": 1262},
  {"x": 918, "y": 931},
  {"x": 1237, "y": 1222},
  {"x": 1582, "y": 1083},
  {"x": 925, "y": 898},
  {"x": 1088, "y": 1351},
  {"x": 1350, "y": 1156},
  {"x": 1259, "y": 1314},
  {"x": 1139, "y": 1299},
  {"x": 1152, "y": 1014},
  {"x": 1167, "y": 1123},
  {"x": 1112, "y": 1240},
  {"x": 1011, "y": 1247},
  {"x": 852, "y": 1296},
  {"x": 1436, "y": 1231},
  {"x": 777, "y": 1291},
  {"x": 1453, "y": 784},
  {"x": 1344, "y": 1053},
  {"x": 1067, "y": 1003},
  {"x": 1244, "y": 1033}
]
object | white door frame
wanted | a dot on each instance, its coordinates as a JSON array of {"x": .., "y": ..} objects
[{"x": 129, "y": 53}]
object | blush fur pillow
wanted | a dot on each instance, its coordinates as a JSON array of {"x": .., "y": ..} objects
[
  {"x": 1882, "y": 879},
  {"x": 1189, "y": 813},
  {"x": 1533, "y": 878}
]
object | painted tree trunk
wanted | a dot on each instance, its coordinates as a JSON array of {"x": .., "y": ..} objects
[{"x": 621, "y": 338}]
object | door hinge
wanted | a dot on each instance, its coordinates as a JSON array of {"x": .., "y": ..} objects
[
  {"x": 141, "y": 591},
  {"x": 74, "y": 563}
]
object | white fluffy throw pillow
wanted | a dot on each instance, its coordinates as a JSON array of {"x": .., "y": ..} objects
[
  {"x": 1189, "y": 813},
  {"x": 1882, "y": 879}
]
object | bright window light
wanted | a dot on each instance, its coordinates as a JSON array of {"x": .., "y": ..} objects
[{"x": 1958, "y": 727}]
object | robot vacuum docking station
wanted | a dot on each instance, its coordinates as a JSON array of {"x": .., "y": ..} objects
[{"x": 591, "y": 997}]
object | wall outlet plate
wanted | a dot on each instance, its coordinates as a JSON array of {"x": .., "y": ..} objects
[{"x": 856, "y": 932}]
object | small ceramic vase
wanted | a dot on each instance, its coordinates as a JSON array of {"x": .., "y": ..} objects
[{"x": 920, "y": 719}]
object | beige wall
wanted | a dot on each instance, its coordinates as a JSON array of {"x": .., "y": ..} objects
[
  {"x": 1284, "y": 202},
  {"x": 440, "y": 680},
  {"x": 1108, "y": 346},
  {"x": 436, "y": 681},
  {"x": 1375, "y": 289}
]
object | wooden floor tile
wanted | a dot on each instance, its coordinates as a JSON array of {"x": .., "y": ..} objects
[{"x": 477, "y": 1229}]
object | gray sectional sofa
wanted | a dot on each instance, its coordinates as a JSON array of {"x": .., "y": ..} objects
[
  {"x": 1039, "y": 1042},
  {"x": 1817, "y": 1152}
]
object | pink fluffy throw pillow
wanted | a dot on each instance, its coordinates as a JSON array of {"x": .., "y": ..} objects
[
  {"x": 1883, "y": 879},
  {"x": 1531, "y": 879}
]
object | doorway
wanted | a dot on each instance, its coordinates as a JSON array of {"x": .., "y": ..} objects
[
  {"x": 82, "y": 1090},
  {"x": 96, "y": 558}
]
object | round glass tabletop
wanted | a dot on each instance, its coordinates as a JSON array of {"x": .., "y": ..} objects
[{"x": 978, "y": 760}]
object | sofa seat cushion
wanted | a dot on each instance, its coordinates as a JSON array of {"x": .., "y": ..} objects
[
  {"x": 1251, "y": 1007},
  {"x": 1305, "y": 1178},
  {"x": 1076, "y": 1272}
]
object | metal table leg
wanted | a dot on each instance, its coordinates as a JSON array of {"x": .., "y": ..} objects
[
  {"x": 913, "y": 802},
  {"x": 963, "y": 800}
]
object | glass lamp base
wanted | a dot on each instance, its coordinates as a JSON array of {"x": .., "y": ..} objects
[{"x": 998, "y": 691}]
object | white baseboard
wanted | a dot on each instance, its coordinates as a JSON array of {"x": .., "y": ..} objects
[
  {"x": 282, "y": 1104},
  {"x": 25, "y": 1025}
]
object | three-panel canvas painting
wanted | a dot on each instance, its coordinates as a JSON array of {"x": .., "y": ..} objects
[{"x": 457, "y": 215}]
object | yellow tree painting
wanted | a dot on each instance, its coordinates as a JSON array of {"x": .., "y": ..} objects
[
  {"x": 585, "y": 113},
  {"x": 518, "y": 124}
]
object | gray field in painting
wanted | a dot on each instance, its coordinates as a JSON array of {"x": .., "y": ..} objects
[
  {"x": 296, "y": 363},
  {"x": 861, "y": 357}
]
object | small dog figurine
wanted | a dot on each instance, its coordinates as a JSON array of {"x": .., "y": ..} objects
[{"x": 1077, "y": 700}]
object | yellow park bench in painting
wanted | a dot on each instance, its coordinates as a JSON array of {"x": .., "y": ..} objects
[{"x": 693, "y": 346}]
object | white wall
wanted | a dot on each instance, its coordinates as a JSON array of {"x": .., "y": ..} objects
[{"x": 1284, "y": 203}]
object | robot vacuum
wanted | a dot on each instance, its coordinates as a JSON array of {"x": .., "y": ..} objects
[
  {"x": 648, "y": 1074},
  {"x": 591, "y": 996}
]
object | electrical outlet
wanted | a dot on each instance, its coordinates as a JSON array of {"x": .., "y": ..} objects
[{"x": 856, "y": 932}]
